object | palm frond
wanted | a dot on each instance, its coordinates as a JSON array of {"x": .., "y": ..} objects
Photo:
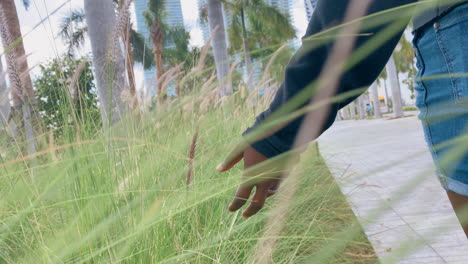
[
  {"x": 235, "y": 31},
  {"x": 73, "y": 21},
  {"x": 157, "y": 8},
  {"x": 149, "y": 18},
  {"x": 177, "y": 46},
  {"x": 77, "y": 40},
  {"x": 179, "y": 37},
  {"x": 271, "y": 19},
  {"x": 203, "y": 14},
  {"x": 142, "y": 53}
]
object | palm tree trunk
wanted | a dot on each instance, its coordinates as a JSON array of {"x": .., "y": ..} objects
[
  {"x": 127, "y": 38},
  {"x": 130, "y": 62},
  {"x": 395, "y": 86},
  {"x": 345, "y": 113},
  {"x": 219, "y": 44},
  {"x": 387, "y": 103},
  {"x": 13, "y": 28},
  {"x": 4, "y": 100},
  {"x": 108, "y": 60},
  {"x": 248, "y": 59},
  {"x": 375, "y": 97},
  {"x": 352, "y": 110},
  {"x": 361, "y": 110},
  {"x": 157, "y": 37},
  {"x": 24, "y": 110}
]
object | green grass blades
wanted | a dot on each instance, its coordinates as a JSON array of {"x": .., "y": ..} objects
[{"x": 122, "y": 197}]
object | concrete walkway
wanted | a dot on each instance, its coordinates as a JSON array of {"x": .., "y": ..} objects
[{"x": 374, "y": 161}]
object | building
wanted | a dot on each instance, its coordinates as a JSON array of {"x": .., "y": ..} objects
[
  {"x": 310, "y": 6},
  {"x": 283, "y": 5},
  {"x": 174, "y": 18}
]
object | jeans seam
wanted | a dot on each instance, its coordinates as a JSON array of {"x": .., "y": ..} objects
[
  {"x": 448, "y": 62},
  {"x": 425, "y": 123}
]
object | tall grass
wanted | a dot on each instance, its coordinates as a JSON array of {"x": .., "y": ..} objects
[{"x": 125, "y": 199}]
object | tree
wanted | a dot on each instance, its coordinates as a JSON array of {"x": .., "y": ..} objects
[
  {"x": 154, "y": 17},
  {"x": 67, "y": 95},
  {"x": 361, "y": 107},
  {"x": 170, "y": 44},
  {"x": 177, "y": 49},
  {"x": 73, "y": 31},
  {"x": 352, "y": 110},
  {"x": 281, "y": 60},
  {"x": 24, "y": 110},
  {"x": 404, "y": 60},
  {"x": 375, "y": 98},
  {"x": 219, "y": 44},
  {"x": 345, "y": 113},
  {"x": 395, "y": 86},
  {"x": 108, "y": 60},
  {"x": 256, "y": 18},
  {"x": 383, "y": 77},
  {"x": 4, "y": 100}
]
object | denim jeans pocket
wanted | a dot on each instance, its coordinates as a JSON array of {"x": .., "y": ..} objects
[
  {"x": 452, "y": 37},
  {"x": 454, "y": 17}
]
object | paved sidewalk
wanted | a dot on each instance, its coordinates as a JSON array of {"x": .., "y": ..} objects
[{"x": 373, "y": 161}]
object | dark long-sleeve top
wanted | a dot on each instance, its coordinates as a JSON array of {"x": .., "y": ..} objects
[{"x": 307, "y": 64}]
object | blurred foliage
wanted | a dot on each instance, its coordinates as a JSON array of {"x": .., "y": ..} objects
[
  {"x": 176, "y": 48},
  {"x": 278, "y": 67},
  {"x": 255, "y": 21},
  {"x": 73, "y": 31},
  {"x": 66, "y": 94},
  {"x": 404, "y": 61},
  {"x": 142, "y": 52}
]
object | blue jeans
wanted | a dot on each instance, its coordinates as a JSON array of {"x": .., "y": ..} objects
[{"x": 442, "y": 95}]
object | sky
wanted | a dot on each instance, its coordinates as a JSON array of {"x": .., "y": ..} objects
[{"x": 42, "y": 42}]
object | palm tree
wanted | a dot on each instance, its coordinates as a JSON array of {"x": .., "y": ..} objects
[
  {"x": 395, "y": 86},
  {"x": 170, "y": 43},
  {"x": 375, "y": 97},
  {"x": 352, "y": 110},
  {"x": 219, "y": 44},
  {"x": 154, "y": 17},
  {"x": 345, "y": 113},
  {"x": 178, "y": 51},
  {"x": 383, "y": 78},
  {"x": 360, "y": 105},
  {"x": 4, "y": 100},
  {"x": 108, "y": 60},
  {"x": 73, "y": 31},
  {"x": 404, "y": 60},
  {"x": 256, "y": 18},
  {"x": 24, "y": 109}
]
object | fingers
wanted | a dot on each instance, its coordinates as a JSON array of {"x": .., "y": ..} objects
[
  {"x": 262, "y": 192},
  {"x": 258, "y": 201},
  {"x": 230, "y": 162},
  {"x": 242, "y": 195},
  {"x": 273, "y": 188}
]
